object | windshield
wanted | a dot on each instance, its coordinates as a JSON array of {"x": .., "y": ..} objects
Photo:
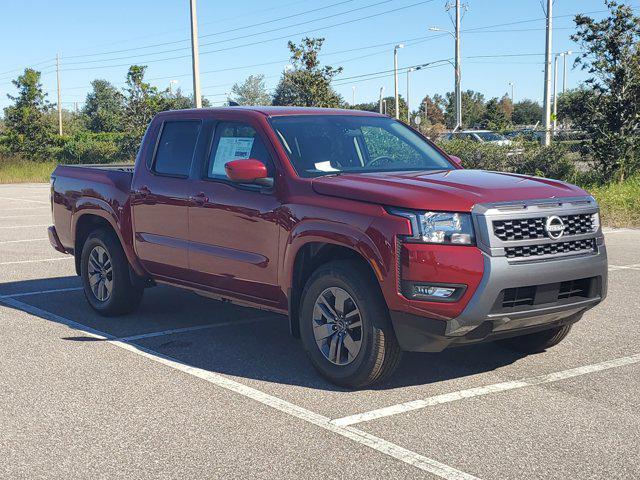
[
  {"x": 490, "y": 136},
  {"x": 329, "y": 144}
]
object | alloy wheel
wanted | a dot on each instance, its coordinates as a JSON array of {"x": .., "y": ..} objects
[{"x": 100, "y": 273}]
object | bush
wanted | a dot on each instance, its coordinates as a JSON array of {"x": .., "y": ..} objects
[
  {"x": 527, "y": 158},
  {"x": 88, "y": 147}
]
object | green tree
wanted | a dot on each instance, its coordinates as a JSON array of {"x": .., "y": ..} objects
[
  {"x": 572, "y": 106},
  {"x": 252, "y": 91},
  {"x": 495, "y": 117},
  {"x": 430, "y": 111},
  {"x": 104, "y": 107},
  {"x": 611, "y": 55},
  {"x": 526, "y": 112},
  {"x": 472, "y": 108},
  {"x": 308, "y": 84},
  {"x": 28, "y": 131}
]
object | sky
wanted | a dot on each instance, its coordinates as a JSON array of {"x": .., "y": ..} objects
[{"x": 502, "y": 42}]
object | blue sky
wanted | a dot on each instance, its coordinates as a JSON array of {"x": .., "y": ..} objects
[{"x": 84, "y": 32}]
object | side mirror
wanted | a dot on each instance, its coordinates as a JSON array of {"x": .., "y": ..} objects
[
  {"x": 246, "y": 170},
  {"x": 456, "y": 160}
]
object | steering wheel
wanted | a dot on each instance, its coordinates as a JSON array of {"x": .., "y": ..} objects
[{"x": 380, "y": 161}]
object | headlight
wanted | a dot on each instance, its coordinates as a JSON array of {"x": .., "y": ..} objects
[{"x": 439, "y": 227}]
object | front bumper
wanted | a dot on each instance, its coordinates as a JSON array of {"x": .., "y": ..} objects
[{"x": 481, "y": 321}]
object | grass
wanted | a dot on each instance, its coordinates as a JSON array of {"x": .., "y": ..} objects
[
  {"x": 619, "y": 202},
  {"x": 23, "y": 171}
]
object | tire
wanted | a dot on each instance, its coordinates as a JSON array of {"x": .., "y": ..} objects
[
  {"x": 118, "y": 295},
  {"x": 537, "y": 342},
  {"x": 363, "y": 355}
]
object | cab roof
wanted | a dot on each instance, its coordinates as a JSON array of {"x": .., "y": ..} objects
[{"x": 270, "y": 111}]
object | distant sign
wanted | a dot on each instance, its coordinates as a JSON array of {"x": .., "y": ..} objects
[{"x": 417, "y": 120}]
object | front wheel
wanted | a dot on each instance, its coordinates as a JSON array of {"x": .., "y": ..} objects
[
  {"x": 105, "y": 275},
  {"x": 345, "y": 327}
]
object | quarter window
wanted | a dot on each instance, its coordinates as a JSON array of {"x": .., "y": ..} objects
[{"x": 176, "y": 148}]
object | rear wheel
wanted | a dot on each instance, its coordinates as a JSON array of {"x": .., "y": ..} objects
[
  {"x": 537, "y": 342},
  {"x": 345, "y": 327},
  {"x": 105, "y": 275}
]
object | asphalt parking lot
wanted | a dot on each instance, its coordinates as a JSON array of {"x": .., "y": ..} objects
[{"x": 192, "y": 388}]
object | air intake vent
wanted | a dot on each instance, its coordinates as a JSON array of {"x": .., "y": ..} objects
[{"x": 516, "y": 297}]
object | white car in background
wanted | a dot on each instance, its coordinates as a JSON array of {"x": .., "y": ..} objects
[{"x": 480, "y": 136}]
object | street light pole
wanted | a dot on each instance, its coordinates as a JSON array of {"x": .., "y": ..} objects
[
  {"x": 457, "y": 60},
  {"x": 407, "y": 100},
  {"x": 58, "y": 86},
  {"x": 353, "y": 100},
  {"x": 395, "y": 77},
  {"x": 195, "y": 57},
  {"x": 564, "y": 69},
  {"x": 547, "y": 75},
  {"x": 555, "y": 94},
  {"x": 513, "y": 98},
  {"x": 380, "y": 102}
]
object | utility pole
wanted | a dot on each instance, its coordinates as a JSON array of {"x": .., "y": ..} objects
[
  {"x": 408, "y": 108},
  {"x": 555, "y": 94},
  {"x": 457, "y": 68},
  {"x": 547, "y": 75},
  {"x": 395, "y": 78},
  {"x": 195, "y": 57},
  {"x": 59, "y": 102}
]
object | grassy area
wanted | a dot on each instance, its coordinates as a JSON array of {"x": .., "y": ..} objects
[
  {"x": 22, "y": 171},
  {"x": 619, "y": 202}
]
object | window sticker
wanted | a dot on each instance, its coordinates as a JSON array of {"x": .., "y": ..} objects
[{"x": 230, "y": 148}]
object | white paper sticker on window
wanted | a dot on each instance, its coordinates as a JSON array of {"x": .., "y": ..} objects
[{"x": 230, "y": 148}]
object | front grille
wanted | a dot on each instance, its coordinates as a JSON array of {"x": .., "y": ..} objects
[
  {"x": 533, "y": 228},
  {"x": 575, "y": 246}
]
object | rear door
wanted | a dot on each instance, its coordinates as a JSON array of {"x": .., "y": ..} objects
[
  {"x": 160, "y": 199},
  {"x": 234, "y": 228}
]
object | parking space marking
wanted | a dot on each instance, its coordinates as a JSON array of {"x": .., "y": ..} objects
[
  {"x": 607, "y": 231},
  {"x": 45, "y": 214},
  {"x": 27, "y": 240},
  {"x": 363, "y": 438},
  {"x": 57, "y": 259},
  {"x": 485, "y": 390},
  {"x": 24, "y": 200},
  {"x": 24, "y": 226},
  {"x": 635, "y": 266},
  {"x": 41, "y": 292}
]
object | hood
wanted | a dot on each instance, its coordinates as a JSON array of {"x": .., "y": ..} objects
[{"x": 451, "y": 190}]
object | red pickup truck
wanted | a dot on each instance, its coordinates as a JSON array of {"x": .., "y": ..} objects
[{"x": 369, "y": 237}]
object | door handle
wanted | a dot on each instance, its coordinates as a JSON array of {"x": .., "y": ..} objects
[
  {"x": 199, "y": 198},
  {"x": 143, "y": 191}
]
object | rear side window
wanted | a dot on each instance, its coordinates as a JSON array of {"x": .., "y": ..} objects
[{"x": 176, "y": 147}]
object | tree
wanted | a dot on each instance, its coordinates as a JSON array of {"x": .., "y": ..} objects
[
  {"x": 526, "y": 112},
  {"x": 430, "y": 110},
  {"x": 307, "y": 84},
  {"x": 506, "y": 105},
  {"x": 572, "y": 106},
  {"x": 472, "y": 108},
  {"x": 495, "y": 117},
  {"x": 104, "y": 107},
  {"x": 252, "y": 91},
  {"x": 28, "y": 131},
  {"x": 611, "y": 55}
]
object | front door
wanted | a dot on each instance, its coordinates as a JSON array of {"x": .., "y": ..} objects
[
  {"x": 234, "y": 228},
  {"x": 161, "y": 196}
]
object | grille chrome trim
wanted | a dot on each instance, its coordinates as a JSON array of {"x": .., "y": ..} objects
[{"x": 576, "y": 212}]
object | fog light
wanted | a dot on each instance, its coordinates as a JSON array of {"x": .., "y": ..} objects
[
  {"x": 433, "y": 292},
  {"x": 441, "y": 292}
]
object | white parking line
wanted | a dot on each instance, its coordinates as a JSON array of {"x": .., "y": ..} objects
[
  {"x": 363, "y": 438},
  {"x": 45, "y": 214},
  {"x": 486, "y": 390},
  {"x": 29, "y": 208},
  {"x": 28, "y": 200},
  {"x": 24, "y": 226},
  {"x": 57, "y": 259},
  {"x": 635, "y": 266},
  {"x": 607, "y": 231},
  {"x": 40, "y": 292},
  {"x": 27, "y": 240},
  {"x": 193, "y": 329}
]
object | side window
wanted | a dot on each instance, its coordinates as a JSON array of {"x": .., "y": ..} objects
[
  {"x": 235, "y": 141},
  {"x": 176, "y": 147}
]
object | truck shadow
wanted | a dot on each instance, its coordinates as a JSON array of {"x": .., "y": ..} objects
[{"x": 227, "y": 339}]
